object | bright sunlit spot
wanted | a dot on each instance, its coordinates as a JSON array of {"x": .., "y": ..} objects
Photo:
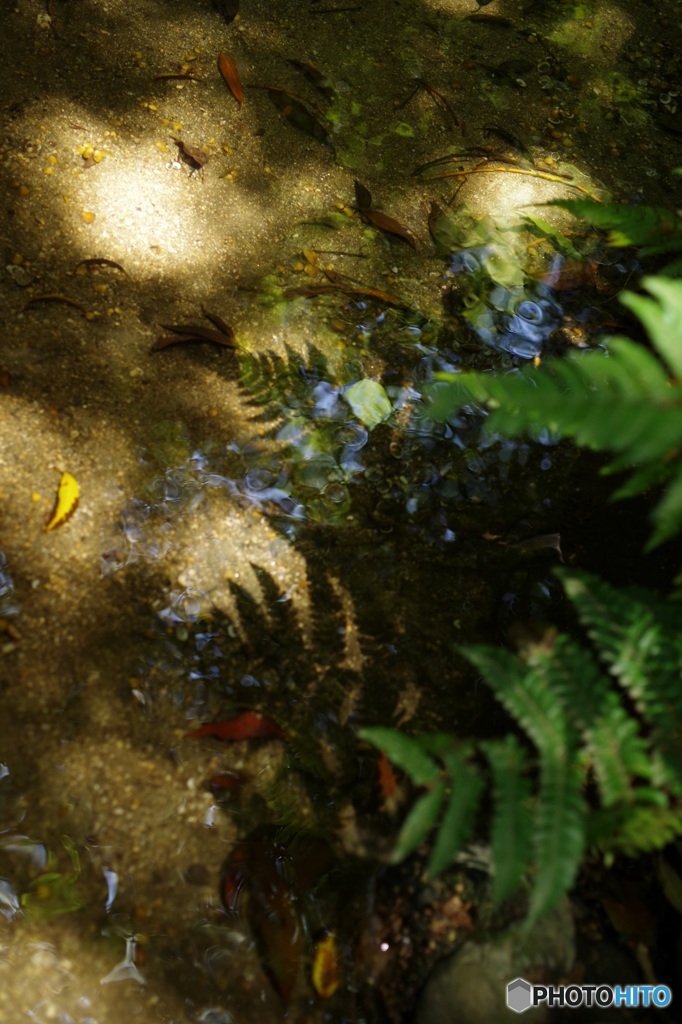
[{"x": 142, "y": 211}]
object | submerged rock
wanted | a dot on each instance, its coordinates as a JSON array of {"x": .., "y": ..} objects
[{"x": 470, "y": 987}]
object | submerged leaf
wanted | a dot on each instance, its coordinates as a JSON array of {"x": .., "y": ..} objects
[
  {"x": 228, "y": 8},
  {"x": 228, "y": 69},
  {"x": 390, "y": 226},
  {"x": 68, "y": 494},
  {"x": 319, "y": 80},
  {"x": 194, "y": 156},
  {"x": 295, "y": 111},
  {"x": 369, "y": 402},
  {"x": 363, "y": 196},
  {"x": 309, "y": 291},
  {"x": 101, "y": 261},
  {"x": 182, "y": 334},
  {"x": 325, "y": 971},
  {"x": 274, "y": 875},
  {"x": 55, "y": 297},
  {"x": 249, "y": 725}
]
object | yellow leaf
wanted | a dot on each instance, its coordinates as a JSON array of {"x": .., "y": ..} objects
[
  {"x": 67, "y": 499},
  {"x": 325, "y": 967}
]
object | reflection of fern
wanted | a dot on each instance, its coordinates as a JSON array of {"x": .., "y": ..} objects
[
  {"x": 602, "y": 770},
  {"x": 626, "y": 403},
  {"x": 655, "y": 228}
]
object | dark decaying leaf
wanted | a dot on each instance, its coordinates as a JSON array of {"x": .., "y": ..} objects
[
  {"x": 192, "y": 154},
  {"x": 310, "y": 291},
  {"x": 270, "y": 878},
  {"x": 223, "y": 782},
  {"x": 390, "y": 226},
  {"x": 182, "y": 334},
  {"x": 218, "y": 322},
  {"x": 228, "y": 8},
  {"x": 507, "y": 137},
  {"x": 228, "y": 69},
  {"x": 296, "y": 112},
  {"x": 320, "y": 81},
  {"x": 437, "y": 95},
  {"x": 184, "y": 75},
  {"x": 363, "y": 196},
  {"x": 334, "y": 10},
  {"x": 55, "y": 297},
  {"x": 100, "y": 261},
  {"x": 489, "y": 19}
]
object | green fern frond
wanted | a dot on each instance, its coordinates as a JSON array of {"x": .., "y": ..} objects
[
  {"x": 618, "y": 754},
  {"x": 419, "y": 822},
  {"x": 559, "y": 834},
  {"x": 405, "y": 753},
  {"x": 641, "y": 653},
  {"x": 645, "y": 828},
  {"x": 662, "y": 318},
  {"x": 655, "y": 227},
  {"x": 613, "y": 746},
  {"x": 667, "y": 515},
  {"x": 624, "y": 403},
  {"x": 526, "y": 696},
  {"x": 466, "y": 788},
  {"x": 512, "y": 823}
]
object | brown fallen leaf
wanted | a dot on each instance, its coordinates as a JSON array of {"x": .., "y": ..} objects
[
  {"x": 228, "y": 8},
  {"x": 100, "y": 261},
  {"x": 193, "y": 155},
  {"x": 228, "y": 69},
  {"x": 297, "y": 113},
  {"x": 54, "y": 297},
  {"x": 320, "y": 81},
  {"x": 437, "y": 95},
  {"x": 390, "y": 226},
  {"x": 363, "y": 196},
  {"x": 182, "y": 334},
  {"x": 185, "y": 76},
  {"x": 218, "y": 322},
  {"x": 310, "y": 291}
]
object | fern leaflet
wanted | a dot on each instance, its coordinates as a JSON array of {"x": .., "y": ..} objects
[
  {"x": 559, "y": 838},
  {"x": 419, "y": 822},
  {"x": 466, "y": 787},
  {"x": 511, "y": 831}
]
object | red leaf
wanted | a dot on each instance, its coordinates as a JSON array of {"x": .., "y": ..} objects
[
  {"x": 225, "y": 781},
  {"x": 228, "y": 69},
  {"x": 249, "y": 725},
  {"x": 388, "y": 782}
]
